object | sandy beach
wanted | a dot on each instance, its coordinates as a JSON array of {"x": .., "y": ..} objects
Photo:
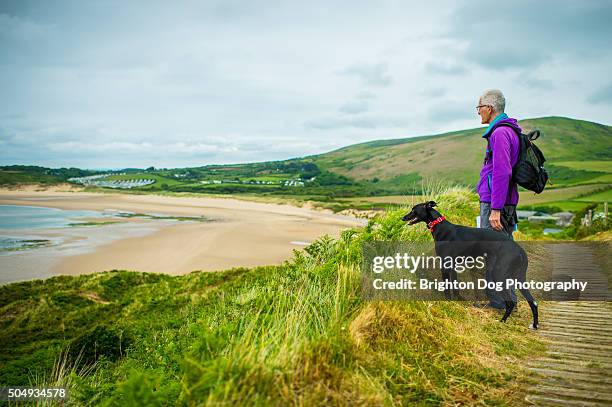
[{"x": 237, "y": 234}]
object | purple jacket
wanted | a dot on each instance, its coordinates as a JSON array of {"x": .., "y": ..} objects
[{"x": 496, "y": 185}]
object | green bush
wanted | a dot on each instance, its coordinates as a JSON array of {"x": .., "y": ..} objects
[
  {"x": 67, "y": 299},
  {"x": 143, "y": 389},
  {"x": 122, "y": 281},
  {"x": 100, "y": 342}
]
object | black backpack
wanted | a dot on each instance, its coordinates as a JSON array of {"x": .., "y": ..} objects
[{"x": 529, "y": 171}]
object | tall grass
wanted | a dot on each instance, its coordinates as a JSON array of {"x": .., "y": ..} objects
[
  {"x": 299, "y": 333},
  {"x": 66, "y": 374},
  {"x": 307, "y": 338}
]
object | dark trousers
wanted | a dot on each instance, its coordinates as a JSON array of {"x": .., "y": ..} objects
[{"x": 509, "y": 220}]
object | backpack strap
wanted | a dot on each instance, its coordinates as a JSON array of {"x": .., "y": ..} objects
[
  {"x": 513, "y": 128},
  {"x": 489, "y": 152},
  {"x": 532, "y": 135}
]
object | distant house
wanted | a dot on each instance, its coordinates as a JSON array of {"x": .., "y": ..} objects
[
  {"x": 99, "y": 180},
  {"x": 599, "y": 215},
  {"x": 293, "y": 183},
  {"x": 563, "y": 218},
  {"x": 542, "y": 218},
  {"x": 523, "y": 215}
]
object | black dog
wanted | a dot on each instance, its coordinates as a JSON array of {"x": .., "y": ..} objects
[{"x": 507, "y": 259}]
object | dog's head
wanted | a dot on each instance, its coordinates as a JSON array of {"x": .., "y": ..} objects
[{"x": 420, "y": 213}]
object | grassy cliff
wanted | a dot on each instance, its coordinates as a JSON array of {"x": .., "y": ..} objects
[{"x": 295, "y": 334}]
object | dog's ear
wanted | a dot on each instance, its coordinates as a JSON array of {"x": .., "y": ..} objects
[{"x": 431, "y": 204}]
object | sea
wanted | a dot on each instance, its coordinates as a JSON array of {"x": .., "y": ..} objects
[{"x": 16, "y": 218}]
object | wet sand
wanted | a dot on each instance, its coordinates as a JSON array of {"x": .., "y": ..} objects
[{"x": 238, "y": 234}]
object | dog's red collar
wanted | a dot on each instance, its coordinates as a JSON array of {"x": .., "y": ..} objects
[{"x": 431, "y": 225}]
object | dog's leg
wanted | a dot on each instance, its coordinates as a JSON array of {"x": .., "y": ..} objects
[
  {"x": 522, "y": 276},
  {"x": 453, "y": 274},
  {"x": 509, "y": 304},
  {"x": 455, "y": 294},
  {"x": 509, "y": 307},
  {"x": 446, "y": 275},
  {"x": 534, "y": 307},
  {"x": 534, "y": 311}
]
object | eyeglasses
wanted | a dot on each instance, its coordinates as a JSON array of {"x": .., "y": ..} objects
[{"x": 480, "y": 106}]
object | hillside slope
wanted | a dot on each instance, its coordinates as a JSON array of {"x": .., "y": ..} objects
[
  {"x": 578, "y": 153},
  {"x": 456, "y": 157},
  {"x": 296, "y": 334}
]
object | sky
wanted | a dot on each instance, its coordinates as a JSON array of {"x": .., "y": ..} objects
[{"x": 113, "y": 84}]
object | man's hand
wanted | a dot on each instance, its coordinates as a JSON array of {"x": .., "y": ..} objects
[{"x": 495, "y": 219}]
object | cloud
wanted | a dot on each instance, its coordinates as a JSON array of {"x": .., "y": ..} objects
[
  {"x": 536, "y": 83},
  {"x": 370, "y": 74},
  {"x": 493, "y": 57},
  {"x": 84, "y": 85},
  {"x": 449, "y": 111},
  {"x": 602, "y": 96},
  {"x": 355, "y": 107},
  {"x": 362, "y": 122},
  {"x": 528, "y": 34},
  {"x": 435, "y": 92},
  {"x": 13, "y": 28},
  {"x": 365, "y": 95},
  {"x": 145, "y": 148},
  {"x": 443, "y": 68}
]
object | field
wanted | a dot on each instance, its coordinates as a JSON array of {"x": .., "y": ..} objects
[
  {"x": 296, "y": 334},
  {"x": 559, "y": 194},
  {"x": 604, "y": 196},
  {"x": 599, "y": 166},
  {"x": 568, "y": 198},
  {"x": 391, "y": 199}
]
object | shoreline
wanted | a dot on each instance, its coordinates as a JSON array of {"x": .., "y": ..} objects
[{"x": 240, "y": 234}]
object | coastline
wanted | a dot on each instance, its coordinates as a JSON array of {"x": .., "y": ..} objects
[{"x": 240, "y": 234}]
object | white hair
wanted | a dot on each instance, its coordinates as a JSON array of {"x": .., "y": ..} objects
[{"x": 495, "y": 98}]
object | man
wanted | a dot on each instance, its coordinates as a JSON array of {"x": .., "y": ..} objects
[{"x": 498, "y": 193}]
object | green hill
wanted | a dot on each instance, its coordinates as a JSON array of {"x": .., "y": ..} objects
[
  {"x": 457, "y": 156},
  {"x": 31, "y": 174},
  {"x": 578, "y": 154}
]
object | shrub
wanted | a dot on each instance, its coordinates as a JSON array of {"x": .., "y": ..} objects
[
  {"x": 142, "y": 389},
  {"x": 100, "y": 342}
]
